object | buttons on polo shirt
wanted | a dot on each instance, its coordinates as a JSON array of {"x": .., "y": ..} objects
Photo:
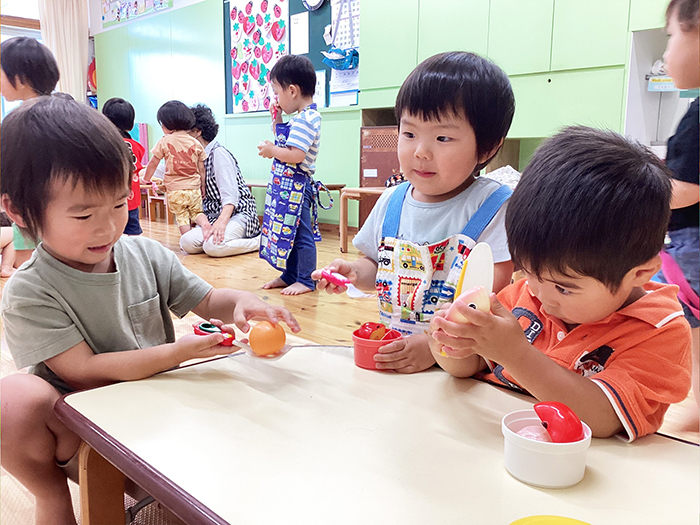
[{"x": 561, "y": 335}]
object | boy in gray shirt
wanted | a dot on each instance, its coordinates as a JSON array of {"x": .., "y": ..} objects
[{"x": 90, "y": 307}]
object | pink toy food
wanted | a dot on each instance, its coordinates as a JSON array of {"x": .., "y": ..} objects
[{"x": 476, "y": 298}]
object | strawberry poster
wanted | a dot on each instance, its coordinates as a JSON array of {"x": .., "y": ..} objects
[{"x": 258, "y": 38}]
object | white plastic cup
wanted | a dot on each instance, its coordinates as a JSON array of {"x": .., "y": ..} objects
[{"x": 538, "y": 463}]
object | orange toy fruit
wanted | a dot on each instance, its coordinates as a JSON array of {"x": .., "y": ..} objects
[{"x": 267, "y": 338}]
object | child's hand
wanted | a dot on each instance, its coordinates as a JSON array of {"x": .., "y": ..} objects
[
  {"x": 440, "y": 341},
  {"x": 496, "y": 336},
  {"x": 249, "y": 306},
  {"x": 340, "y": 266},
  {"x": 405, "y": 356},
  {"x": 193, "y": 346},
  {"x": 265, "y": 149},
  {"x": 276, "y": 112}
]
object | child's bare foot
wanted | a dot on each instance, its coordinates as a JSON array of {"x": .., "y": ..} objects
[
  {"x": 6, "y": 273},
  {"x": 296, "y": 289},
  {"x": 277, "y": 282}
]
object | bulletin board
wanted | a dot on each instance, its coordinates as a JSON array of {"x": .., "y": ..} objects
[
  {"x": 118, "y": 11},
  {"x": 318, "y": 20}
]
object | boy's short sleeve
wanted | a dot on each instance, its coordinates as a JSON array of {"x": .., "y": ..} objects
[
  {"x": 643, "y": 381},
  {"x": 43, "y": 322},
  {"x": 684, "y": 147},
  {"x": 160, "y": 149},
  {"x": 185, "y": 289},
  {"x": 370, "y": 235},
  {"x": 304, "y": 130}
]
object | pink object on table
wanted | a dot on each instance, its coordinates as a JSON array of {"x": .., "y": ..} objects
[{"x": 536, "y": 433}]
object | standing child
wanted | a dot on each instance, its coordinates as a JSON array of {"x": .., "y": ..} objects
[
  {"x": 29, "y": 70},
  {"x": 184, "y": 166},
  {"x": 290, "y": 229},
  {"x": 92, "y": 307},
  {"x": 681, "y": 263},
  {"x": 122, "y": 115},
  {"x": 454, "y": 111},
  {"x": 586, "y": 327}
]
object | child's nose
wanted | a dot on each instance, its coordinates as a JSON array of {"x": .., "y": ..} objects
[{"x": 422, "y": 151}]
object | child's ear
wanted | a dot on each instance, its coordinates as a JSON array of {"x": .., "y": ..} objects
[
  {"x": 490, "y": 154},
  {"x": 12, "y": 211},
  {"x": 643, "y": 273},
  {"x": 293, "y": 90}
]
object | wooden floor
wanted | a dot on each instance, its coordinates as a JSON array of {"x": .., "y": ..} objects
[{"x": 324, "y": 319}]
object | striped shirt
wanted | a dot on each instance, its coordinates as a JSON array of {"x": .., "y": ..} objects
[{"x": 305, "y": 134}]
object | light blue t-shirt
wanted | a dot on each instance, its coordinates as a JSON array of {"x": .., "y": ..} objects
[
  {"x": 431, "y": 222},
  {"x": 305, "y": 134}
]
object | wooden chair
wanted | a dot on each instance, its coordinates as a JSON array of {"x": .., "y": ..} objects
[
  {"x": 158, "y": 207},
  {"x": 355, "y": 194}
]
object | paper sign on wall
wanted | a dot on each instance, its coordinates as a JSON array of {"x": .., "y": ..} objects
[{"x": 299, "y": 33}]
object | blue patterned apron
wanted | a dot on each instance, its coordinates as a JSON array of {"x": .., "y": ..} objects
[
  {"x": 283, "y": 205},
  {"x": 414, "y": 280}
]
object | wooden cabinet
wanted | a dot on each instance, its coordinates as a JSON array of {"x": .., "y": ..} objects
[
  {"x": 388, "y": 36},
  {"x": 520, "y": 35},
  {"x": 546, "y": 102},
  {"x": 452, "y": 25},
  {"x": 589, "y": 34},
  {"x": 378, "y": 162}
]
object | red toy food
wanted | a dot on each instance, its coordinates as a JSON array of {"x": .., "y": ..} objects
[
  {"x": 562, "y": 424},
  {"x": 373, "y": 331},
  {"x": 267, "y": 338},
  {"x": 208, "y": 328}
]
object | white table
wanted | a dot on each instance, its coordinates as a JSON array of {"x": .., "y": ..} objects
[{"x": 312, "y": 439}]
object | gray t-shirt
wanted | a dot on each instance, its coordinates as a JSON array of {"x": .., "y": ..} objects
[
  {"x": 431, "y": 222},
  {"x": 48, "y": 307}
]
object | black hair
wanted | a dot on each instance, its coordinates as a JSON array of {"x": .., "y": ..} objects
[
  {"x": 61, "y": 94},
  {"x": 465, "y": 85},
  {"x": 589, "y": 202},
  {"x": 31, "y": 62},
  {"x": 688, "y": 13},
  {"x": 175, "y": 116},
  {"x": 295, "y": 70},
  {"x": 205, "y": 122},
  {"x": 76, "y": 143},
  {"x": 121, "y": 113}
]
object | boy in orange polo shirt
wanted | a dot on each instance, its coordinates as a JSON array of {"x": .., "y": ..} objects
[{"x": 587, "y": 327}]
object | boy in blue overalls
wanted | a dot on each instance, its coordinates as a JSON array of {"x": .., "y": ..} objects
[
  {"x": 290, "y": 228},
  {"x": 454, "y": 111}
]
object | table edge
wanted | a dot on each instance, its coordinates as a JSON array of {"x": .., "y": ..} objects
[{"x": 151, "y": 480}]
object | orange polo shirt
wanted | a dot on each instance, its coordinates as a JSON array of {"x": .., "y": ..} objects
[{"x": 640, "y": 356}]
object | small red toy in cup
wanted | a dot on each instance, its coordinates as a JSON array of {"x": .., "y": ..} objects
[
  {"x": 562, "y": 424},
  {"x": 558, "y": 424},
  {"x": 208, "y": 328},
  {"x": 368, "y": 339}
]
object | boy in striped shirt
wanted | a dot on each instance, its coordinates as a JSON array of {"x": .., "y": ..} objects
[{"x": 290, "y": 228}]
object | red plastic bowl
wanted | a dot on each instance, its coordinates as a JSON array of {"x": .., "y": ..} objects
[{"x": 365, "y": 349}]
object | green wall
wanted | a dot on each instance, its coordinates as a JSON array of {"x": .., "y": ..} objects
[
  {"x": 566, "y": 60},
  {"x": 175, "y": 55}
]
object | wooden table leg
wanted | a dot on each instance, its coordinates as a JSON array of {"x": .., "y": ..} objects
[
  {"x": 343, "y": 226},
  {"x": 101, "y": 490}
]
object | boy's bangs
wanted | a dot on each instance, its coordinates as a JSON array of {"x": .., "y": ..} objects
[{"x": 431, "y": 96}]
